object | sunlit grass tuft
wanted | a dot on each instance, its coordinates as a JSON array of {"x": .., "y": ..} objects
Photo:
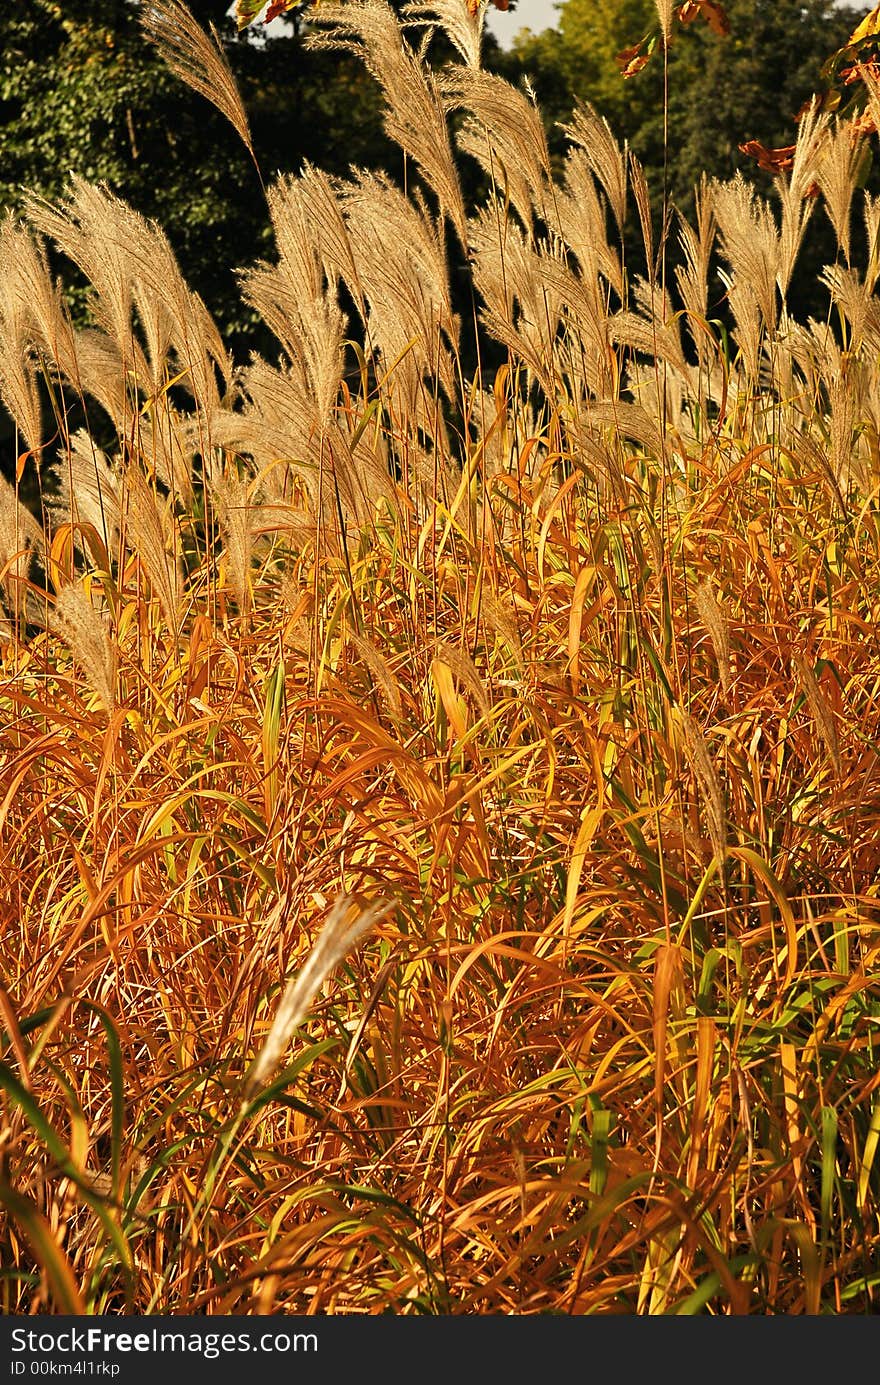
[{"x": 543, "y": 699}]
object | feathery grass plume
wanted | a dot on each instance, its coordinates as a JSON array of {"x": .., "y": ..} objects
[
  {"x": 197, "y": 59},
  {"x": 96, "y": 370},
  {"x": 594, "y": 447},
  {"x": 88, "y": 491},
  {"x": 232, "y": 497},
  {"x": 823, "y": 372},
  {"x": 795, "y": 191},
  {"x": 749, "y": 331},
  {"x": 322, "y": 198},
  {"x": 811, "y": 454},
  {"x": 625, "y": 420},
  {"x": 819, "y": 710},
  {"x": 871, "y": 211},
  {"x": 415, "y": 116},
  {"x": 281, "y": 519},
  {"x": 653, "y": 329},
  {"x": 167, "y": 441},
  {"x": 82, "y": 629},
  {"x": 860, "y": 307},
  {"x": 337, "y": 938},
  {"x": 639, "y": 185},
  {"x": 310, "y": 231},
  {"x": 279, "y": 429},
  {"x": 751, "y": 245},
  {"x": 294, "y": 301},
  {"x": 171, "y": 317},
  {"x": 20, "y": 539},
  {"x": 842, "y": 158},
  {"x": 81, "y": 227},
  {"x": 18, "y": 369},
  {"x": 149, "y": 534},
  {"x": 807, "y": 346},
  {"x": 296, "y": 237},
  {"x": 664, "y": 14},
  {"x": 464, "y": 669},
  {"x": 504, "y": 132},
  {"x": 581, "y": 220},
  {"x": 500, "y": 616},
  {"x": 708, "y": 782},
  {"x": 845, "y": 412},
  {"x": 402, "y": 270},
  {"x": 714, "y": 618},
  {"x": 380, "y": 669},
  {"x": 158, "y": 291},
  {"x": 522, "y": 289},
  {"x": 131, "y": 266},
  {"x": 608, "y": 162},
  {"x": 24, "y": 271},
  {"x": 583, "y": 356},
  {"x": 692, "y": 277},
  {"x": 310, "y": 331},
  {"x": 461, "y": 22},
  {"x": 277, "y": 422},
  {"x": 664, "y": 394}
]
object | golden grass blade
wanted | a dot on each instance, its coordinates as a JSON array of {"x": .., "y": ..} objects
[
  {"x": 621, "y": 1055},
  {"x": 868, "y": 1156},
  {"x": 668, "y": 977},
  {"x": 707, "y": 1038}
]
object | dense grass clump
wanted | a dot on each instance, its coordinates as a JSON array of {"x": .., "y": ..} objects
[{"x": 546, "y": 699}]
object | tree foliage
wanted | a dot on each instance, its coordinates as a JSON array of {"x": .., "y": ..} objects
[
  {"x": 82, "y": 91},
  {"x": 723, "y": 89}
]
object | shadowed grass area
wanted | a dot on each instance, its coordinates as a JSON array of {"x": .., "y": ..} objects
[{"x": 556, "y": 693}]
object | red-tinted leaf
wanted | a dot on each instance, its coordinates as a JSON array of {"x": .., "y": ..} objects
[
  {"x": 771, "y": 160},
  {"x": 856, "y": 73},
  {"x": 712, "y": 11},
  {"x": 275, "y": 9},
  {"x": 716, "y": 17},
  {"x": 632, "y": 60},
  {"x": 21, "y": 464},
  {"x": 863, "y": 126}
]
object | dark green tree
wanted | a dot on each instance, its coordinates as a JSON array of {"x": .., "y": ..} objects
[
  {"x": 82, "y": 91},
  {"x": 723, "y": 90}
]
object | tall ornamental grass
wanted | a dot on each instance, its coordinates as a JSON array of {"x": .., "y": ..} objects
[{"x": 439, "y": 803}]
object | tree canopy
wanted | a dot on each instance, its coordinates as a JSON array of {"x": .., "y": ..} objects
[
  {"x": 724, "y": 89},
  {"x": 82, "y": 91}
]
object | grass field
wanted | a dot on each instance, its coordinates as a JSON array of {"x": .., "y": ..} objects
[{"x": 542, "y": 699}]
